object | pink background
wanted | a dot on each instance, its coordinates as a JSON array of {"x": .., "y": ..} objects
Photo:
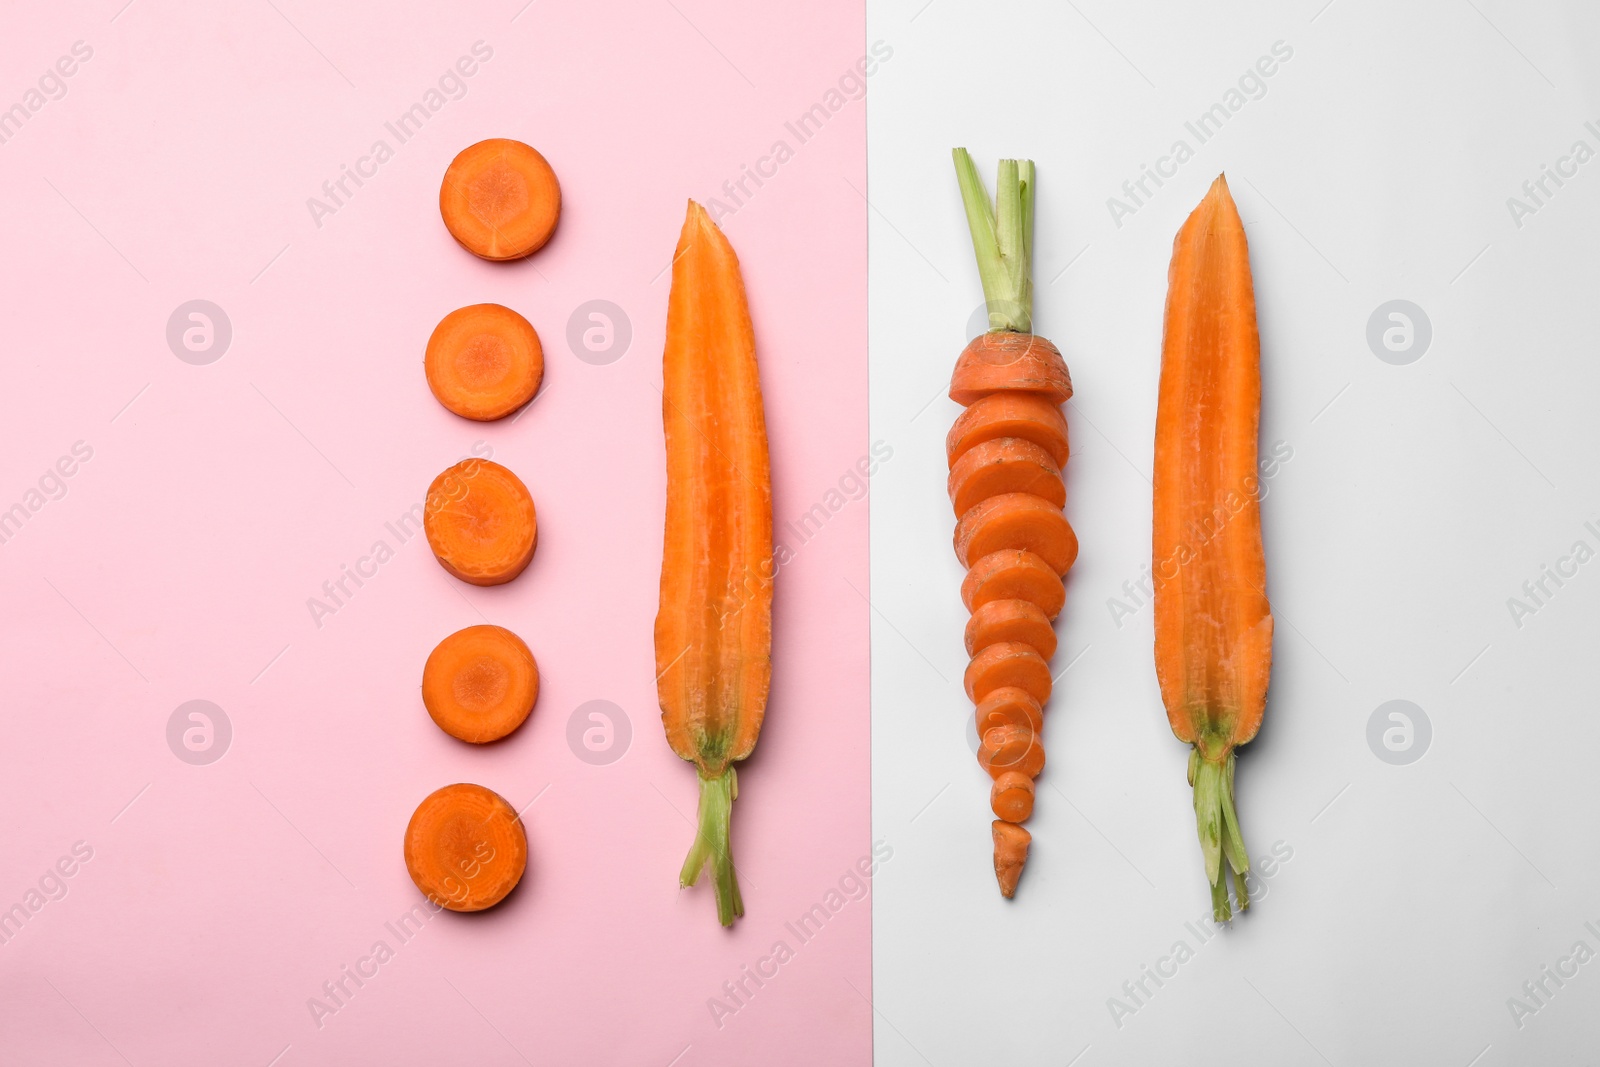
[{"x": 179, "y": 562}]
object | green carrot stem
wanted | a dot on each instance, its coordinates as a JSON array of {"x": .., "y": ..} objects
[
  {"x": 711, "y": 845},
  {"x": 1002, "y": 239},
  {"x": 1220, "y": 839}
]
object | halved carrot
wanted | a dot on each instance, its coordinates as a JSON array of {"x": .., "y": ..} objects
[
  {"x": 1010, "y": 748},
  {"x": 500, "y": 199},
  {"x": 1008, "y": 706},
  {"x": 713, "y": 634},
  {"x": 1008, "y": 663},
  {"x": 480, "y": 522},
  {"x": 1010, "y": 620},
  {"x": 483, "y": 362},
  {"x": 1010, "y": 853},
  {"x": 1013, "y": 574},
  {"x": 1010, "y": 361},
  {"x": 479, "y": 684},
  {"x": 1026, "y": 415},
  {"x": 1017, "y": 520},
  {"x": 1004, "y": 465},
  {"x": 465, "y": 847},
  {"x": 1213, "y": 622},
  {"x": 1011, "y": 797}
]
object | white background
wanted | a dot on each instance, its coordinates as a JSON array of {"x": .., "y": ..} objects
[{"x": 1418, "y": 500}]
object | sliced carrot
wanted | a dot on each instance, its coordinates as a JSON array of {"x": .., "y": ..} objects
[
  {"x": 1008, "y": 706},
  {"x": 479, "y": 684},
  {"x": 1010, "y": 620},
  {"x": 1013, "y": 574},
  {"x": 1026, "y": 415},
  {"x": 480, "y": 522},
  {"x": 1004, "y": 465},
  {"x": 1011, "y": 797},
  {"x": 1008, "y": 663},
  {"x": 500, "y": 199},
  {"x": 1010, "y": 853},
  {"x": 1017, "y": 520},
  {"x": 713, "y": 633},
  {"x": 465, "y": 847},
  {"x": 1010, "y": 748},
  {"x": 483, "y": 362},
  {"x": 1007, "y": 361}
]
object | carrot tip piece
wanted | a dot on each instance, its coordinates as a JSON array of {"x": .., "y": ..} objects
[
  {"x": 711, "y": 845},
  {"x": 1220, "y": 839}
]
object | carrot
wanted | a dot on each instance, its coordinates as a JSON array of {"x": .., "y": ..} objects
[
  {"x": 1010, "y": 362},
  {"x": 480, "y": 522},
  {"x": 1213, "y": 624},
  {"x": 1011, "y": 797},
  {"x": 1010, "y": 748},
  {"x": 1025, "y": 415},
  {"x": 1005, "y": 452},
  {"x": 1010, "y": 853},
  {"x": 479, "y": 684},
  {"x": 500, "y": 199},
  {"x": 1004, "y": 465},
  {"x": 465, "y": 847},
  {"x": 1010, "y": 620},
  {"x": 1013, "y": 574},
  {"x": 483, "y": 362},
  {"x": 1005, "y": 664},
  {"x": 1017, "y": 520},
  {"x": 1008, "y": 706},
  {"x": 713, "y": 634}
]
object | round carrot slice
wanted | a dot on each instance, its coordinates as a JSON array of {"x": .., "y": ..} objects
[
  {"x": 1011, "y": 748},
  {"x": 479, "y": 684},
  {"x": 500, "y": 199},
  {"x": 465, "y": 847},
  {"x": 480, "y": 522},
  {"x": 1011, "y": 796},
  {"x": 483, "y": 362},
  {"x": 1014, "y": 362},
  {"x": 1013, "y": 574},
  {"x": 1004, "y": 465},
  {"x": 1017, "y": 520},
  {"x": 1005, "y": 664},
  {"x": 1026, "y": 415},
  {"x": 1008, "y": 706},
  {"x": 1010, "y": 620}
]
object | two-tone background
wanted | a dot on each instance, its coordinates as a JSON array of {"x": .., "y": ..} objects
[{"x": 216, "y": 612}]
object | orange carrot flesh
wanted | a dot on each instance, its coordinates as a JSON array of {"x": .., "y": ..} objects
[
  {"x": 1013, "y": 574},
  {"x": 480, "y": 522},
  {"x": 1008, "y": 706},
  {"x": 1010, "y": 748},
  {"x": 1004, "y": 465},
  {"x": 483, "y": 362},
  {"x": 465, "y": 847},
  {"x": 1010, "y": 853},
  {"x": 1025, "y": 415},
  {"x": 1010, "y": 362},
  {"x": 713, "y": 632},
  {"x": 1017, "y": 520},
  {"x": 1010, "y": 620},
  {"x": 479, "y": 684},
  {"x": 500, "y": 199},
  {"x": 1007, "y": 663},
  {"x": 1213, "y": 624},
  {"x": 1011, "y": 797}
]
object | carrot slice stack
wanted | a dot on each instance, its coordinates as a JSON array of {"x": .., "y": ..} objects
[
  {"x": 1212, "y": 619},
  {"x": 713, "y": 635},
  {"x": 1005, "y": 452}
]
